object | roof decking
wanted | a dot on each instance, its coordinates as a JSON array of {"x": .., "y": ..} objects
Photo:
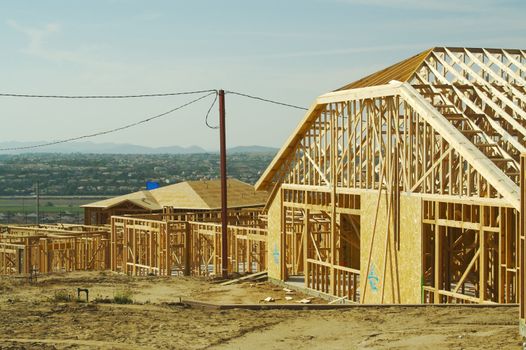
[
  {"x": 401, "y": 71},
  {"x": 194, "y": 195}
]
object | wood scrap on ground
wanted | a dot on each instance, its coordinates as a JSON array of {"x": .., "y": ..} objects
[{"x": 252, "y": 277}]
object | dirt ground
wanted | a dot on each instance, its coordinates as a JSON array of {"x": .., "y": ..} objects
[{"x": 38, "y": 316}]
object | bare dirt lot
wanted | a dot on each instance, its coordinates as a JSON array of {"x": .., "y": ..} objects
[{"x": 39, "y": 316}]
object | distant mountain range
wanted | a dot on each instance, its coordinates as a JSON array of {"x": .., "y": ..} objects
[
  {"x": 252, "y": 149},
  {"x": 121, "y": 148}
]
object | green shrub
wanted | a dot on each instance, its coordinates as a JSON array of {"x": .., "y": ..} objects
[
  {"x": 123, "y": 297},
  {"x": 102, "y": 300},
  {"x": 62, "y": 295}
]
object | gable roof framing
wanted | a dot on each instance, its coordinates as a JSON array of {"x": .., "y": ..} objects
[{"x": 473, "y": 98}]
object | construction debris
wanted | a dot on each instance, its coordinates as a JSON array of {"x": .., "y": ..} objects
[
  {"x": 254, "y": 276},
  {"x": 338, "y": 301}
]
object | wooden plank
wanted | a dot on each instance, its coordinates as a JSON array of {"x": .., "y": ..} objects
[{"x": 250, "y": 277}]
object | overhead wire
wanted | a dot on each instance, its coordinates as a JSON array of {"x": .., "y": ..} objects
[
  {"x": 208, "y": 92},
  {"x": 266, "y": 100},
  {"x": 127, "y": 126},
  {"x": 107, "y": 96},
  {"x": 208, "y": 113}
]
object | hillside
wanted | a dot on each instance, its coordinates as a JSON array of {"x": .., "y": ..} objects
[
  {"x": 121, "y": 148},
  {"x": 111, "y": 174}
]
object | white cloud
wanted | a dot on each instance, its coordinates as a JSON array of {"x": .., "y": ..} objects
[
  {"x": 38, "y": 43},
  {"x": 90, "y": 57},
  {"x": 37, "y": 37}
]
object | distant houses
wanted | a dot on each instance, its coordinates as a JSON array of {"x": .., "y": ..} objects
[{"x": 203, "y": 195}]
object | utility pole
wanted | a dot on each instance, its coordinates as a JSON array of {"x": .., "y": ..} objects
[
  {"x": 222, "y": 165},
  {"x": 37, "y": 195}
]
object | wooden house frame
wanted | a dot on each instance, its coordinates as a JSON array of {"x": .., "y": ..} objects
[
  {"x": 404, "y": 186},
  {"x": 25, "y": 250},
  {"x": 188, "y": 244}
]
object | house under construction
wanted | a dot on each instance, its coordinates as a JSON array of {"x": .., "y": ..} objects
[{"x": 406, "y": 186}]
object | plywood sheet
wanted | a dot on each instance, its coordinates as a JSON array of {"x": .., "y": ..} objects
[
  {"x": 410, "y": 255},
  {"x": 398, "y": 277},
  {"x": 274, "y": 237}
]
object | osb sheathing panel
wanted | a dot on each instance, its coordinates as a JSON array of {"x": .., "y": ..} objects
[
  {"x": 398, "y": 278},
  {"x": 410, "y": 255},
  {"x": 274, "y": 237}
]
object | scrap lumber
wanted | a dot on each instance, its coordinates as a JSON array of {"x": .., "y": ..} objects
[{"x": 251, "y": 277}]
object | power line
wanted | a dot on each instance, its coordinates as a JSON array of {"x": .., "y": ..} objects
[
  {"x": 112, "y": 130},
  {"x": 209, "y": 93},
  {"x": 107, "y": 96},
  {"x": 266, "y": 100},
  {"x": 207, "y": 113},
  {"x": 149, "y": 95}
]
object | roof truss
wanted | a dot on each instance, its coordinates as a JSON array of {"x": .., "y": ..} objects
[
  {"x": 396, "y": 129},
  {"x": 456, "y": 122}
]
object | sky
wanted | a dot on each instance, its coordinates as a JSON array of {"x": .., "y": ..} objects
[{"x": 288, "y": 50}]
